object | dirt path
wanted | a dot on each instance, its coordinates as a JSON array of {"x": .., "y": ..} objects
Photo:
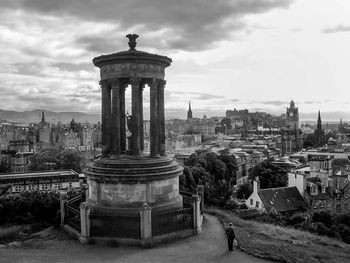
[{"x": 209, "y": 246}]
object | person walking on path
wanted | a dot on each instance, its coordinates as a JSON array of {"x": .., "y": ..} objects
[{"x": 230, "y": 233}]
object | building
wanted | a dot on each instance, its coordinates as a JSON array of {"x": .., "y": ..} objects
[
  {"x": 324, "y": 188},
  {"x": 14, "y": 162},
  {"x": 39, "y": 181},
  {"x": 281, "y": 200},
  {"x": 319, "y": 132},
  {"x": 43, "y": 134},
  {"x": 292, "y": 139}
]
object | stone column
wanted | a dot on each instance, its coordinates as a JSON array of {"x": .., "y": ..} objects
[
  {"x": 84, "y": 192},
  {"x": 154, "y": 119},
  {"x": 197, "y": 224},
  {"x": 122, "y": 119},
  {"x": 142, "y": 139},
  {"x": 106, "y": 110},
  {"x": 200, "y": 190},
  {"x": 135, "y": 101},
  {"x": 63, "y": 200},
  {"x": 115, "y": 131},
  {"x": 146, "y": 222},
  {"x": 161, "y": 118},
  {"x": 84, "y": 223}
]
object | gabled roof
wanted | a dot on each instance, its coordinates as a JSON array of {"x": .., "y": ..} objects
[
  {"x": 282, "y": 199},
  {"x": 341, "y": 161}
]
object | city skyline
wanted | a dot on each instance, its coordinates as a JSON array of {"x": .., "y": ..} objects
[{"x": 239, "y": 54}]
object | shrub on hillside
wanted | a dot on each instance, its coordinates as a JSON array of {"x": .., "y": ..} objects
[
  {"x": 29, "y": 207},
  {"x": 323, "y": 217},
  {"x": 298, "y": 219}
]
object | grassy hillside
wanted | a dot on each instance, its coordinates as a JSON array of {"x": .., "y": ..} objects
[{"x": 284, "y": 244}]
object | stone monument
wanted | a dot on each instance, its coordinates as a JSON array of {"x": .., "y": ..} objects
[{"x": 122, "y": 180}]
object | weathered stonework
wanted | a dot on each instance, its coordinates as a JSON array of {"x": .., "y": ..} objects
[{"x": 127, "y": 178}]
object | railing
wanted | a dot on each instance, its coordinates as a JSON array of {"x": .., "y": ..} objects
[
  {"x": 72, "y": 217},
  {"x": 115, "y": 225},
  {"x": 187, "y": 198},
  {"x": 72, "y": 211},
  {"x": 170, "y": 221}
]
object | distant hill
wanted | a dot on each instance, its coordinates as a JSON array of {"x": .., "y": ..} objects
[{"x": 26, "y": 117}]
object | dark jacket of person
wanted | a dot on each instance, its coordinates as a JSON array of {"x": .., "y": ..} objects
[{"x": 230, "y": 233}]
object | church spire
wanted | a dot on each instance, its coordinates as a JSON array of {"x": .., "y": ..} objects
[
  {"x": 42, "y": 117},
  {"x": 189, "y": 112},
  {"x": 319, "y": 122}
]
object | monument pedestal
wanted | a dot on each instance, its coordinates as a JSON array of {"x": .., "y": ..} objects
[{"x": 128, "y": 183}]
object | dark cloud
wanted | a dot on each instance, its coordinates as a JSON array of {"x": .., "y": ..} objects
[
  {"x": 336, "y": 29},
  {"x": 99, "y": 44},
  {"x": 187, "y": 25}
]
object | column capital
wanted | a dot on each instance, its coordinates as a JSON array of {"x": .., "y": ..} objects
[
  {"x": 162, "y": 82},
  {"x": 134, "y": 81},
  {"x": 103, "y": 83},
  {"x": 115, "y": 83},
  {"x": 153, "y": 83}
]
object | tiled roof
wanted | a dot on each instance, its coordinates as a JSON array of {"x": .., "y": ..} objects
[
  {"x": 282, "y": 199},
  {"x": 341, "y": 161}
]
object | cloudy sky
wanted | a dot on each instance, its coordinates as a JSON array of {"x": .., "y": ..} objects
[{"x": 254, "y": 54}]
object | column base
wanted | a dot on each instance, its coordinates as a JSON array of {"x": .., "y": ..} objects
[
  {"x": 116, "y": 156},
  {"x": 155, "y": 155}
]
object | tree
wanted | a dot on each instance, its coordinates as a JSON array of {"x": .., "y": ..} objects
[
  {"x": 215, "y": 171},
  {"x": 270, "y": 175},
  {"x": 70, "y": 159},
  {"x": 4, "y": 168},
  {"x": 54, "y": 159},
  {"x": 244, "y": 190}
]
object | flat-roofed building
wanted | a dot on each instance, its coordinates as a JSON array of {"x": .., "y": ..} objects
[{"x": 39, "y": 181}]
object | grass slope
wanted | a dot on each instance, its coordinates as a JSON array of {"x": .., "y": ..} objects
[{"x": 284, "y": 244}]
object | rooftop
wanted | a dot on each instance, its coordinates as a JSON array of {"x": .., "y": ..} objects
[
  {"x": 282, "y": 199},
  {"x": 40, "y": 174}
]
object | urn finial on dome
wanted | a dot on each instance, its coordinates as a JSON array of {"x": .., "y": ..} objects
[{"x": 132, "y": 40}]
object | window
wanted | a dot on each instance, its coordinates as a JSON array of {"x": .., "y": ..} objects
[
  {"x": 251, "y": 201},
  {"x": 313, "y": 190},
  {"x": 338, "y": 196},
  {"x": 70, "y": 185},
  {"x": 45, "y": 187},
  {"x": 338, "y": 208},
  {"x": 257, "y": 204},
  {"x": 325, "y": 165},
  {"x": 57, "y": 186},
  {"x": 346, "y": 206},
  {"x": 18, "y": 188},
  {"x": 31, "y": 187}
]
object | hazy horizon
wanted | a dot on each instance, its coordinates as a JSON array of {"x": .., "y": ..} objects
[{"x": 330, "y": 117}]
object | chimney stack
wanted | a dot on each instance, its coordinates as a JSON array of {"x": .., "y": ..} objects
[{"x": 256, "y": 185}]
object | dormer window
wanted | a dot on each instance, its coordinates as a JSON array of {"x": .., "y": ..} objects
[{"x": 313, "y": 190}]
